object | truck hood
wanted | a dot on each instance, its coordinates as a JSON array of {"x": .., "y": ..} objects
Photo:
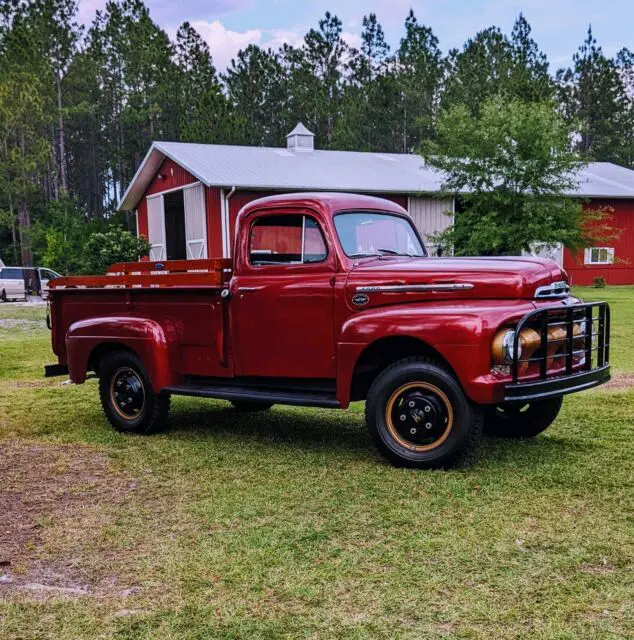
[{"x": 392, "y": 280}]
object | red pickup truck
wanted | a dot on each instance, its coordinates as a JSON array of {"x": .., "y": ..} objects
[{"x": 331, "y": 299}]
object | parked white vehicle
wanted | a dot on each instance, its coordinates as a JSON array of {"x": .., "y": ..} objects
[
  {"x": 12, "y": 285},
  {"x": 18, "y": 282},
  {"x": 45, "y": 275}
]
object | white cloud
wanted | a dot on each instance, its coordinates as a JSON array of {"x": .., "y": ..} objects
[
  {"x": 277, "y": 37},
  {"x": 223, "y": 43},
  {"x": 87, "y": 10},
  {"x": 353, "y": 39}
]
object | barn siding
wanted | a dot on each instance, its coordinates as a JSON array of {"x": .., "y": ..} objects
[
  {"x": 174, "y": 176},
  {"x": 429, "y": 216},
  {"x": 622, "y": 271},
  {"x": 214, "y": 223}
]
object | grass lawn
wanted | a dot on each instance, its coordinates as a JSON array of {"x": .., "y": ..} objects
[{"x": 287, "y": 524}]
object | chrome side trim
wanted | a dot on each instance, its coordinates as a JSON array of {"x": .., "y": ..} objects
[
  {"x": 396, "y": 288},
  {"x": 558, "y": 289}
]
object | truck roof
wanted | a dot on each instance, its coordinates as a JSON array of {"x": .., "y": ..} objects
[{"x": 327, "y": 202}]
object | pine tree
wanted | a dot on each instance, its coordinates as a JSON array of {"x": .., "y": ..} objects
[
  {"x": 203, "y": 111},
  {"x": 419, "y": 73},
  {"x": 593, "y": 95},
  {"x": 491, "y": 64},
  {"x": 258, "y": 90},
  {"x": 315, "y": 75},
  {"x": 369, "y": 93}
]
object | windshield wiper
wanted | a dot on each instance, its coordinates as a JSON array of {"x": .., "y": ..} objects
[
  {"x": 364, "y": 255},
  {"x": 396, "y": 253}
]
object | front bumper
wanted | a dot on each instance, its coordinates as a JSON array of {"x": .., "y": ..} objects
[
  {"x": 555, "y": 387},
  {"x": 577, "y": 361}
]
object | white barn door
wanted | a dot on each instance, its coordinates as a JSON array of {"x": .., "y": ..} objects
[
  {"x": 195, "y": 225},
  {"x": 156, "y": 228}
]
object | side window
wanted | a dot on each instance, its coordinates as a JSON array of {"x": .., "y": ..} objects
[
  {"x": 12, "y": 274},
  {"x": 288, "y": 239}
]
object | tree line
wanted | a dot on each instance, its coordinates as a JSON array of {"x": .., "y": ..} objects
[{"x": 81, "y": 104}]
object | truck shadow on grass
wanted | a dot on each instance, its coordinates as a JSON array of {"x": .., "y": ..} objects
[{"x": 338, "y": 432}]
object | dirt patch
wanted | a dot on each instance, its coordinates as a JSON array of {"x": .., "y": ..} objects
[
  {"x": 19, "y": 323},
  {"x": 621, "y": 381},
  {"x": 46, "y": 489},
  {"x": 600, "y": 568}
]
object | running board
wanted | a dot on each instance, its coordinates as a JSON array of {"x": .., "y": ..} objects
[{"x": 257, "y": 394}]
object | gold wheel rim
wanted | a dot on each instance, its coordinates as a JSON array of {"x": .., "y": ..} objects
[
  {"x": 131, "y": 375},
  {"x": 394, "y": 432}
]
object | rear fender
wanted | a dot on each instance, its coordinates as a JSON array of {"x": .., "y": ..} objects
[{"x": 155, "y": 344}]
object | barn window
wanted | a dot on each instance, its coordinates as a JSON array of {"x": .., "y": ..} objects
[{"x": 599, "y": 255}]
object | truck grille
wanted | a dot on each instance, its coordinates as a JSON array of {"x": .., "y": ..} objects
[{"x": 572, "y": 339}]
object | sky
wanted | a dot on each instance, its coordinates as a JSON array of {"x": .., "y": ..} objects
[{"x": 559, "y": 26}]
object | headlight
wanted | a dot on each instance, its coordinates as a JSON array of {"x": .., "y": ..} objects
[{"x": 502, "y": 347}]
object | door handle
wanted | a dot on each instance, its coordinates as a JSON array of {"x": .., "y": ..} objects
[{"x": 243, "y": 290}]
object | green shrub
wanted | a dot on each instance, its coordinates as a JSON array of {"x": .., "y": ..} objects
[{"x": 103, "y": 249}]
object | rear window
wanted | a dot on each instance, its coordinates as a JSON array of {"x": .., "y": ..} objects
[{"x": 12, "y": 274}]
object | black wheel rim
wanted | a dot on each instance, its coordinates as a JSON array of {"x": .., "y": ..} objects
[
  {"x": 419, "y": 416},
  {"x": 127, "y": 393}
]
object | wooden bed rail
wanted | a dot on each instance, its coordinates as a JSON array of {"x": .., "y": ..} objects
[
  {"x": 213, "y": 272},
  {"x": 171, "y": 266}
]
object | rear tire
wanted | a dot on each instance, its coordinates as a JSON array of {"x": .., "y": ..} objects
[
  {"x": 250, "y": 405},
  {"x": 126, "y": 394},
  {"x": 517, "y": 420},
  {"x": 419, "y": 416}
]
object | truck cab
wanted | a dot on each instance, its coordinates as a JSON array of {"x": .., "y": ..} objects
[{"x": 332, "y": 299}]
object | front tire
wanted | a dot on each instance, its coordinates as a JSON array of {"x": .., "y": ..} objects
[
  {"x": 126, "y": 394},
  {"x": 517, "y": 420},
  {"x": 419, "y": 416}
]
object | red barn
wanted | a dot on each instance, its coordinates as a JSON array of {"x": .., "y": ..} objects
[{"x": 187, "y": 196}]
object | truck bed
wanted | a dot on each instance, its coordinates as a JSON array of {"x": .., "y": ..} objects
[{"x": 182, "y": 296}]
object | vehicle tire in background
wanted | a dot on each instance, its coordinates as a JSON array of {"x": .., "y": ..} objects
[
  {"x": 517, "y": 420},
  {"x": 126, "y": 394},
  {"x": 419, "y": 416},
  {"x": 250, "y": 405}
]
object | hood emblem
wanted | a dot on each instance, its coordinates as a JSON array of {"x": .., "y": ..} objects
[{"x": 360, "y": 299}]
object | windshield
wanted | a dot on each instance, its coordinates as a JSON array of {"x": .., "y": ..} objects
[{"x": 368, "y": 233}]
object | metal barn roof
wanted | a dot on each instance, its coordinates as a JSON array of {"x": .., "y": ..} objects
[{"x": 275, "y": 168}]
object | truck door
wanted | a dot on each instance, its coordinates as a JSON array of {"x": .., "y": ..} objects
[{"x": 282, "y": 304}]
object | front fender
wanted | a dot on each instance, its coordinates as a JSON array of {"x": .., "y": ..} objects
[
  {"x": 154, "y": 343},
  {"x": 461, "y": 332}
]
